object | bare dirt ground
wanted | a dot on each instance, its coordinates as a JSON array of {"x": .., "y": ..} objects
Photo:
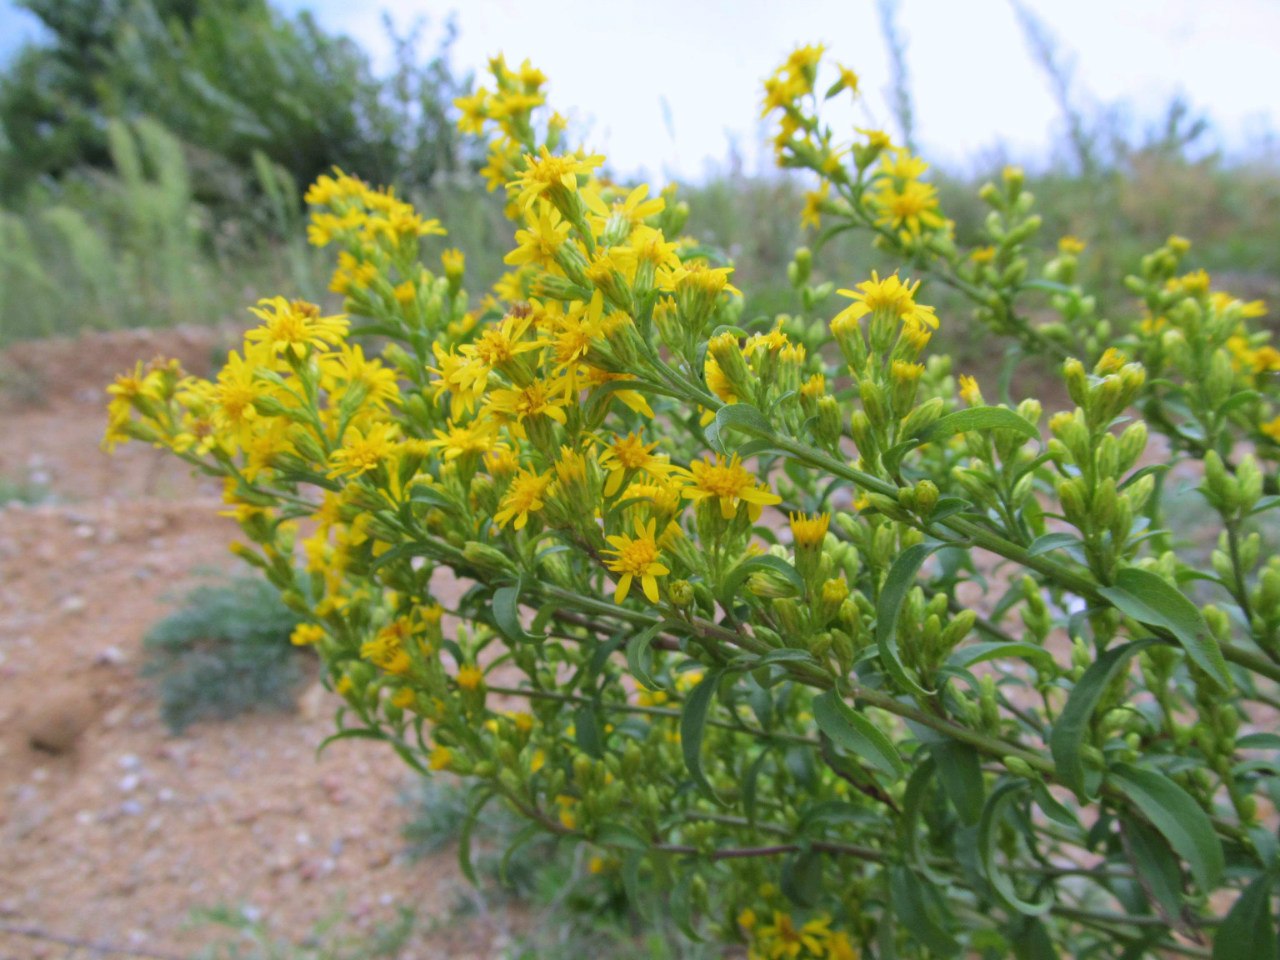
[{"x": 113, "y": 830}]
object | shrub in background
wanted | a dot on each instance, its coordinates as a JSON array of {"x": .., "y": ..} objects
[
  {"x": 225, "y": 651},
  {"x": 823, "y": 651}
]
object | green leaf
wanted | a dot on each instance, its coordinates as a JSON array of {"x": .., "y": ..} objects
[
  {"x": 1266, "y": 503},
  {"x": 1052, "y": 808},
  {"x": 1033, "y": 942},
  {"x": 1157, "y": 866},
  {"x": 1052, "y": 541},
  {"x": 424, "y": 493},
  {"x": 997, "y": 650},
  {"x": 1149, "y": 598},
  {"x": 782, "y": 655},
  {"x": 586, "y": 728},
  {"x": 988, "y": 843},
  {"x": 616, "y": 835},
  {"x": 960, "y": 773},
  {"x": 901, "y": 578},
  {"x": 637, "y": 895},
  {"x": 1238, "y": 400},
  {"x": 741, "y": 417},
  {"x": 352, "y": 733},
  {"x": 506, "y": 613},
  {"x": 750, "y": 783},
  {"x": 1067, "y": 736},
  {"x": 801, "y": 879},
  {"x": 1249, "y": 930},
  {"x": 638, "y": 657},
  {"x": 922, "y": 912},
  {"x": 693, "y": 722},
  {"x": 1259, "y": 741},
  {"x": 767, "y": 562},
  {"x": 978, "y": 418},
  {"x": 464, "y": 838},
  {"x": 852, "y": 731},
  {"x": 1177, "y": 816},
  {"x": 530, "y": 831},
  {"x": 913, "y": 802},
  {"x": 681, "y": 906},
  {"x": 948, "y": 507}
]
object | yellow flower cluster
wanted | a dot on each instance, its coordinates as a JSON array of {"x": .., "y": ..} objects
[
  {"x": 592, "y": 448},
  {"x": 782, "y": 939}
]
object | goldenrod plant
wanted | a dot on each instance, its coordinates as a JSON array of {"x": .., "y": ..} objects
[{"x": 819, "y": 648}]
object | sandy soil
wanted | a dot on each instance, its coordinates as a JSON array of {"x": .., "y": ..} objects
[{"x": 111, "y": 829}]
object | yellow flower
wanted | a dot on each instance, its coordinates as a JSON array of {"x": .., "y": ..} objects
[
  {"x": 809, "y": 531},
  {"x": 538, "y": 398},
  {"x": 890, "y": 295},
  {"x": 1110, "y": 362},
  {"x": 556, "y": 176},
  {"x": 814, "y": 388},
  {"x": 1073, "y": 246},
  {"x": 478, "y": 436},
  {"x": 540, "y": 243},
  {"x": 637, "y": 557},
  {"x": 731, "y": 484},
  {"x": 502, "y": 343},
  {"x": 524, "y": 497},
  {"x": 628, "y": 454},
  {"x": 969, "y": 391},
  {"x": 386, "y": 649},
  {"x": 811, "y": 215},
  {"x": 464, "y": 377},
  {"x": 632, "y": 211},
  {"x": 781, "y": 940},
  {"x": 306, "y": 634},
  {"x": 364, "y": 451},
  {"x": 470, "y": 678},
  {"x": 294, "y": 326},
  {"x": 474, "y": 112},
  {"x": 403, "y": 698},
  {"x": 1272, "y": 429},
  {"x": 366, "y": 381},
  {"x": 440, "y": 758}
]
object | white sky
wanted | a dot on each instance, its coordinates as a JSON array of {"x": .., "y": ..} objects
[{"x": 612, "y": 64}]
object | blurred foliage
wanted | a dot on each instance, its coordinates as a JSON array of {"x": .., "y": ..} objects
[
  {"x": 227, "y": 650},
  {"x": 130, "y": 247},
  {"x": 579, "y": 905},
  {"x": 329, "y": 940},
  {"x": 231, "y": 79},
  {"x": 152, "y": 154}
]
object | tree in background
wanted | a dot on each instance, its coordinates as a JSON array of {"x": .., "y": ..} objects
[{"x": 230, "y": 79}]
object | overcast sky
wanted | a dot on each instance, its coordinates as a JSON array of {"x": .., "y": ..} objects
[{"x": 613, "y": 65}]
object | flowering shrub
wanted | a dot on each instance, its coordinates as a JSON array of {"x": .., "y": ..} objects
[{"x": 803, "y": 635}]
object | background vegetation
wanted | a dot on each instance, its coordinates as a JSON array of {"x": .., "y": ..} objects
[{"x": 153, "y": 155}]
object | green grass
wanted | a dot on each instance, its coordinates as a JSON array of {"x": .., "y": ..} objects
[
  {"x": 329, "y": 940},
  {"x": 225, "y": 651},
  {"x": 22, "y": 491}
]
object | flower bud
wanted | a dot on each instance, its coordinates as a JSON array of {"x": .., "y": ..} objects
[
  {"x": 926, "y": 497},
  {"x": 1071, "y": 494},
  {"x": 1133, "y": 441},
  {"x": 922, "y": 416},
  {"x": 680, "y": 593},
  {"x": 874, "y": 403},
  {"x": 827, "y": 422},
  {"x": 1077, "y": 381}
]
